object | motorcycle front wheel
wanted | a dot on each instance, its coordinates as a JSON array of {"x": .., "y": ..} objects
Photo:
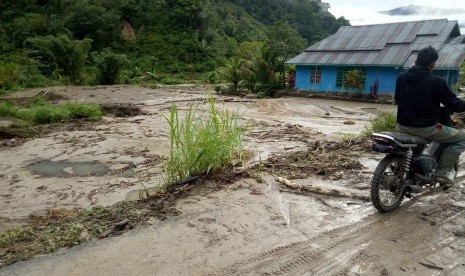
[{"x": 387, "y": 191}]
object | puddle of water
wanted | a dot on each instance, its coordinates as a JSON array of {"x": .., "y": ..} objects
[{"x": 50, "y": 168}]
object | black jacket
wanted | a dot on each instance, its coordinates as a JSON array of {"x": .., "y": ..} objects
[{"x": 419, "y": 95}]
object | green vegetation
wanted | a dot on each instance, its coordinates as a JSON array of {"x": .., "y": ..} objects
[
  {"x": 202, "y": 143},
  {"x": 138, "y": 41},
  {"x": 461, "y": 82},
  {"x": 234, "y": 71},
  {"x": 66, "y": 228},
  {"x": 355, "y": 80},
  {"x": 42, "y": 112},
  {"x": 42, "y": 241},
  {"x": 383, "y": 122},
  {"x": 109, "y": 66}
]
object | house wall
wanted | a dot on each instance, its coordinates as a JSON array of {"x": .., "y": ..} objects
[
  {"x": 386, "y": 79},
  {"x": 328, "y": 79},
  {"x": 451, "y": 76}
]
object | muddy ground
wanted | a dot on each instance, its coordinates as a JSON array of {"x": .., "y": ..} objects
[{"x": 248, "y": 224}]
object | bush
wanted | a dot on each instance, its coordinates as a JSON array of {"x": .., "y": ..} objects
[
  {"x": 84, "y": 111},
  {"x": 383, "y": 122},
  {"x": 10, "y": 75},
  {"x": 60, "y": 55},
  {"x": 171, "y": 81},
  {"x": 210, "y": 77},
  {"x": 355, "y": 80},
  {"x": 7, "y": 109},
  {"x": 109, "y": 66},
  {"x": 270, "y": 88},
  {"x": 202, "y": 144},
  {"x": 42, "y": 112},
  {"x": 35, "y": 80},
  {"x": 48, "y": 114}
]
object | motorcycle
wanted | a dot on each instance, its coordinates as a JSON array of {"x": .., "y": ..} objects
[{"x": 408, "y": 168}]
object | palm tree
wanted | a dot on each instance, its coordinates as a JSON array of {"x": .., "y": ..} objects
[{"x": 233, "y": 71}]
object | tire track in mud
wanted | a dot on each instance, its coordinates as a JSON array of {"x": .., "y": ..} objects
[
  {"x": 320, "y": 253},
  {"x": 345, "y": 250}
]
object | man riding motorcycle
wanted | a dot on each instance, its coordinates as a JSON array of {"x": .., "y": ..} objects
[{"x": 419, "y": 95}]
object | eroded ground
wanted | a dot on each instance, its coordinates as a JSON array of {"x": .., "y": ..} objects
[{"x": 248, "y": 224}]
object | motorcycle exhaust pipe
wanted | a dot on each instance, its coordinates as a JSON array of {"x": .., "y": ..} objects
[{"x": 413, "y": 189}]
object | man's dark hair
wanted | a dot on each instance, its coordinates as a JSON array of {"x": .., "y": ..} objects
[{"x": 427, "y": 56}]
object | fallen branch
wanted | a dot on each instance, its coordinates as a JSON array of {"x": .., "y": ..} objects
[
  {"x": 432, "y": 266},
  {"x": 234, "y": 100},
  {"x": 187, "y": 180},
  {"x": 318, "y": 190},
  {"x": 178, "y": 101}
]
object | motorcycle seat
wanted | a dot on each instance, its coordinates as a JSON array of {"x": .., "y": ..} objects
[{"x": 404, "y": 138}]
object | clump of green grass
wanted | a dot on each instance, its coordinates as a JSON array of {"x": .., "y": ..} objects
[
  {"x": 7, "y": 109},
  {"x": 348, "y": 138},
  {"x": 200, "y": 144},
  {"x": 66, "y": 228},
  {"x": 383, "y": 122},
  {"x": 24, "y": 242},
  {"x": 42, "y": 112},
  {"x": 171, "y": 81}
]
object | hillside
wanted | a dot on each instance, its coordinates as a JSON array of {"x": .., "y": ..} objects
[{"x": 86, "y": 42}]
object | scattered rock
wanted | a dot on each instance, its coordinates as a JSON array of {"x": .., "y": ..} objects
[
  {"x": 117, "y": 227},
  {"x": 349, "y": 122},
  {"x": 85, "y": 236},
  {"x": 121, "y": 225},
  {"x": 9, "y": 143},
  {"x": 433, "y": 210}
]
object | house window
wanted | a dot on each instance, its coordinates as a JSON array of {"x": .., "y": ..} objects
[
  {"x": 448, "y": 76},
  {"x": 440, "y": 73},
  {"x": 341, "y": 74},
  {"x": 315, "y": 76}
]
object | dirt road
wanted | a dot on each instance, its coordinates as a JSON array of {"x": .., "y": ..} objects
[{"x": 248, "y": 227}]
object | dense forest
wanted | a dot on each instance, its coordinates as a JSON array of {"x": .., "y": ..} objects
[{"x": 85, "y": 42}]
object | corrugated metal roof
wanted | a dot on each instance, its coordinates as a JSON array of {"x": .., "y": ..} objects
[{"x": 392, "y": 44}]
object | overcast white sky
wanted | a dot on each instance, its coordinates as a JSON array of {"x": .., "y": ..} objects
[{"x": 364, "y": 12}]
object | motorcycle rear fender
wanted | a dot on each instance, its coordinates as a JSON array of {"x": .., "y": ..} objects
[{"x": 380, "y": 138}]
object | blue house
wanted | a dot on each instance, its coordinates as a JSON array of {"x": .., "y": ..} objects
[{"x": 381, "y": 52}]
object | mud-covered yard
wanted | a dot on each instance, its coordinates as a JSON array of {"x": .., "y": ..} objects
[{"x": 239, "y": 222}]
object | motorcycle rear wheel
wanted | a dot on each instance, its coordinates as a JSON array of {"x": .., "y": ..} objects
[{"x": 387, "y": 191}]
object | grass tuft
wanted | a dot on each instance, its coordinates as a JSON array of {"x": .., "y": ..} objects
[
  {"x": 383, "y": 122},
  {"x": 42, "y": 112},
  {"x": 200, "y": 144}
]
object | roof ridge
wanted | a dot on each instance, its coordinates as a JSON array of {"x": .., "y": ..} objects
[{"x": 400, "y": 22}]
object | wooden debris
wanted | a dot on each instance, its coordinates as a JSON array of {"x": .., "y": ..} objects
[{"x": 319, "y": 190}]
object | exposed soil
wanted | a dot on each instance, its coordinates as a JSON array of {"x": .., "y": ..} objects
[
  {"x": 298, "y": 206},
  {"x": 121, "y": 110}
]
